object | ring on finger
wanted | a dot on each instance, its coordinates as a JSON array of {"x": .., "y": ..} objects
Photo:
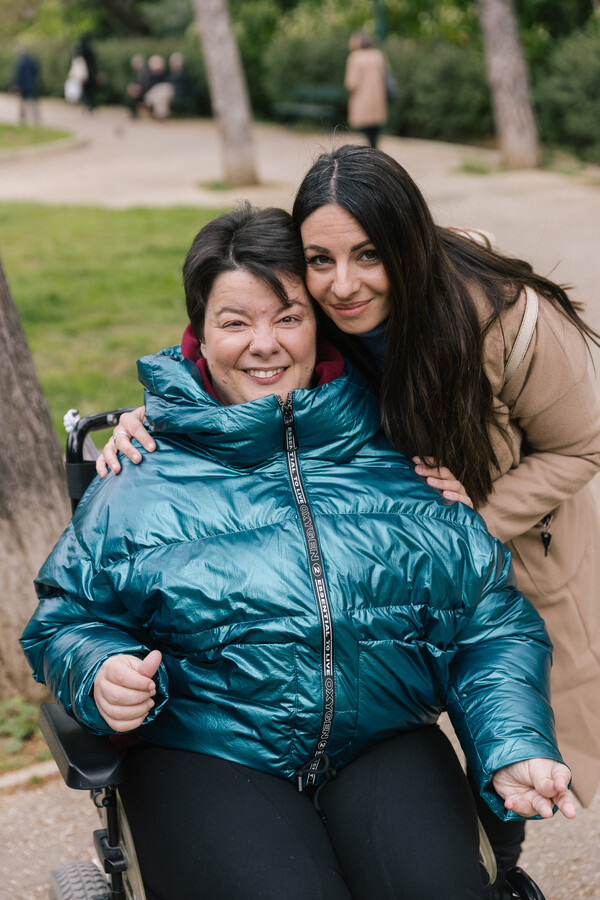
[{"x": 119, "y": 432}]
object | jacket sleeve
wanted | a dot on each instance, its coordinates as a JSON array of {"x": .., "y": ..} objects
[
  {"x": 499, "y": 689},
  {"x": 558, "y": 415},
  {"x": 80, "y": 623}
]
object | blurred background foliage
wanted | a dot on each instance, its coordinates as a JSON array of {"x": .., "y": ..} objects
[
  {"x": 96, "y": 289},
  {"x": 434, "y": 48}
]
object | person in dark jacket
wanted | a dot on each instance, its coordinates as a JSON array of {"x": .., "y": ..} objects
[
  {"x": 275, "y": 598},
  {"x": 85, "y": 50},
  {"x": 25, "y": 81}
]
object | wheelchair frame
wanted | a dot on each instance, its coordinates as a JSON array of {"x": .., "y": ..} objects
[{"x": 90, "y": 762}]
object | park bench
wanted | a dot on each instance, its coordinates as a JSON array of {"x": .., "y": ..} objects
[{"x": 324, "y": 103}]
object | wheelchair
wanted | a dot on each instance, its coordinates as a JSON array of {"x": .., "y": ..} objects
[{"x": 90, "y": 762}]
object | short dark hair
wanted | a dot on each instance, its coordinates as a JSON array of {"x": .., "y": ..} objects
[{"x": 263, "y": 242}]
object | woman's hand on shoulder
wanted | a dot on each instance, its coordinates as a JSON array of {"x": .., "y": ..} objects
[
  {"x": 131, "y": 425},
  {"x": 534, "y": 787},
  {"x": 442, "y": 479}
]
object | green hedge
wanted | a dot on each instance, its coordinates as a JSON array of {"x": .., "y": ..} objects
[
  {"x": 567, "y": 94},
  {"x": 290, "y": 61},
  {"x": 443, "y": 89}
]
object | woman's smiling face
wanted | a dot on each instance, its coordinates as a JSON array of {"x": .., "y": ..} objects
[
  {"x": 252, "y": 344},
  {"x": 343, "y": 270}
]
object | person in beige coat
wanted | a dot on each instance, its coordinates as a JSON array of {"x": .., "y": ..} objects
[
  {"x": 365, "y": 83},
  {"x": 543, "y": 507},
  {"x": 432, "y": 317}
]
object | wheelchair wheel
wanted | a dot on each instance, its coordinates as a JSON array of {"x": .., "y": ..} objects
[
  {"x": 77, "y": 881},
  {"x": 522, "y": 885}
]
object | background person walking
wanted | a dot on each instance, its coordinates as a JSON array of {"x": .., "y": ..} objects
[
  {"x": 25, "y": 81},
  {"x": 88, "y": 85},
  {"x": 365, "y": 82}
]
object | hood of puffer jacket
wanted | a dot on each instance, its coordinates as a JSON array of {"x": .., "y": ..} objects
[{"x": 247, "y": 434}]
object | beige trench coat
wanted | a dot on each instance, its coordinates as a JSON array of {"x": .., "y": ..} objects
[
  {"x": 365, "y": 81},
  {"x": 548, "y": 454}
]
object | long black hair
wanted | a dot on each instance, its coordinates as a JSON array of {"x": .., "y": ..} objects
[{"x": 436, "y": 400}]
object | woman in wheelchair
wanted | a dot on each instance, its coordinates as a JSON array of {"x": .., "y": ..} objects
[{"x": 273, "y": 611}]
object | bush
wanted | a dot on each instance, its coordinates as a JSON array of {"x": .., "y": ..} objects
[
  {"x": 53, "y": 56},
  {"x": 443, "y": 91},
  {"x": 567, "y": 94},
  {"x": 254, "y": 24},
  {"x": 291, "y": 60},
  {"x": 18, "y": 722}
]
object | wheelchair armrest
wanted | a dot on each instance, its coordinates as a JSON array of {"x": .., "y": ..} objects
[
  {"x": 86, "y": 761},
  {"x": 79, "y": 477}
]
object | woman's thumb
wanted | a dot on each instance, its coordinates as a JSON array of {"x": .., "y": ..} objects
[{"x": 151, "y": 663}]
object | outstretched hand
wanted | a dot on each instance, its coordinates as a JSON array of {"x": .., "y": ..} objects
[
  {"x": 131, "y": 424},
  {"x": 123, "y": 689},
  {"x": 535, "y": 786},
  {"x": 442, "y": 479}
]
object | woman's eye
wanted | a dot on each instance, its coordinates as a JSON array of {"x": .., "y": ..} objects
[
  {"x": 289, "y": 320},
  {"x": 233, "y": 324},
  {"x": 371, "y": 255},
  {"x": 319, "y": 260}
]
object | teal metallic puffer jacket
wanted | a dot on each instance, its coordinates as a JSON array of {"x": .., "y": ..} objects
[{"x": 309, "y": 593}]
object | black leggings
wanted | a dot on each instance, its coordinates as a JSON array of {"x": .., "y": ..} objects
[
  {"x": 506, "y": 838},
  {"x": 400, "y": 824},
  {"x": 372, "y": 133}
]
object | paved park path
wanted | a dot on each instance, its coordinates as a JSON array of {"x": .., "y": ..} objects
[{"x": 551, "y": 218}]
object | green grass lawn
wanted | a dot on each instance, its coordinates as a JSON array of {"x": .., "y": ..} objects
[
  {"x": 95, "y": 290},
  {"x": 14, "y": 136}
]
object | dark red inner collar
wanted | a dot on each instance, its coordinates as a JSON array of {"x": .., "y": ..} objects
[{"x": 330, "y": 362}]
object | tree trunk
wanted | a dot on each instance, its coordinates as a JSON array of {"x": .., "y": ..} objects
[
  {"x": 34, "y": 507},
  {"x": 228, "y": 91},
  {"x": 507, "y": 75}
]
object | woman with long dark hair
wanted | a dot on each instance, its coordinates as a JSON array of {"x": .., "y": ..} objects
[{"x": 432, "y": 316}]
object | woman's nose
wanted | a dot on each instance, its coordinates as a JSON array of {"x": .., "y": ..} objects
[
  {"x": 344, "y": 282},
  {"x": 264, "y": 341}
]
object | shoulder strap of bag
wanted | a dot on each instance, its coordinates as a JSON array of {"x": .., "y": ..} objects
[{"x": 523, "y": 338}]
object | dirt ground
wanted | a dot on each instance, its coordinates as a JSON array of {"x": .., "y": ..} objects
[{"x": 40, "y": 827}]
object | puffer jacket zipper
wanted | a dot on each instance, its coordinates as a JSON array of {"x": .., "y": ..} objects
[{"x": 307, "y": 775}]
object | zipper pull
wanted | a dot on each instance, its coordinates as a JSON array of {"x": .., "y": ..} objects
[
  {"x": 290, "y": 442},
  {"x": 546, "y": 534}
]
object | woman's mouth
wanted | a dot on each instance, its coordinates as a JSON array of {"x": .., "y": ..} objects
[
  {"x": 266, "y": 376},
  {"x": 348, "y": 310}
]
